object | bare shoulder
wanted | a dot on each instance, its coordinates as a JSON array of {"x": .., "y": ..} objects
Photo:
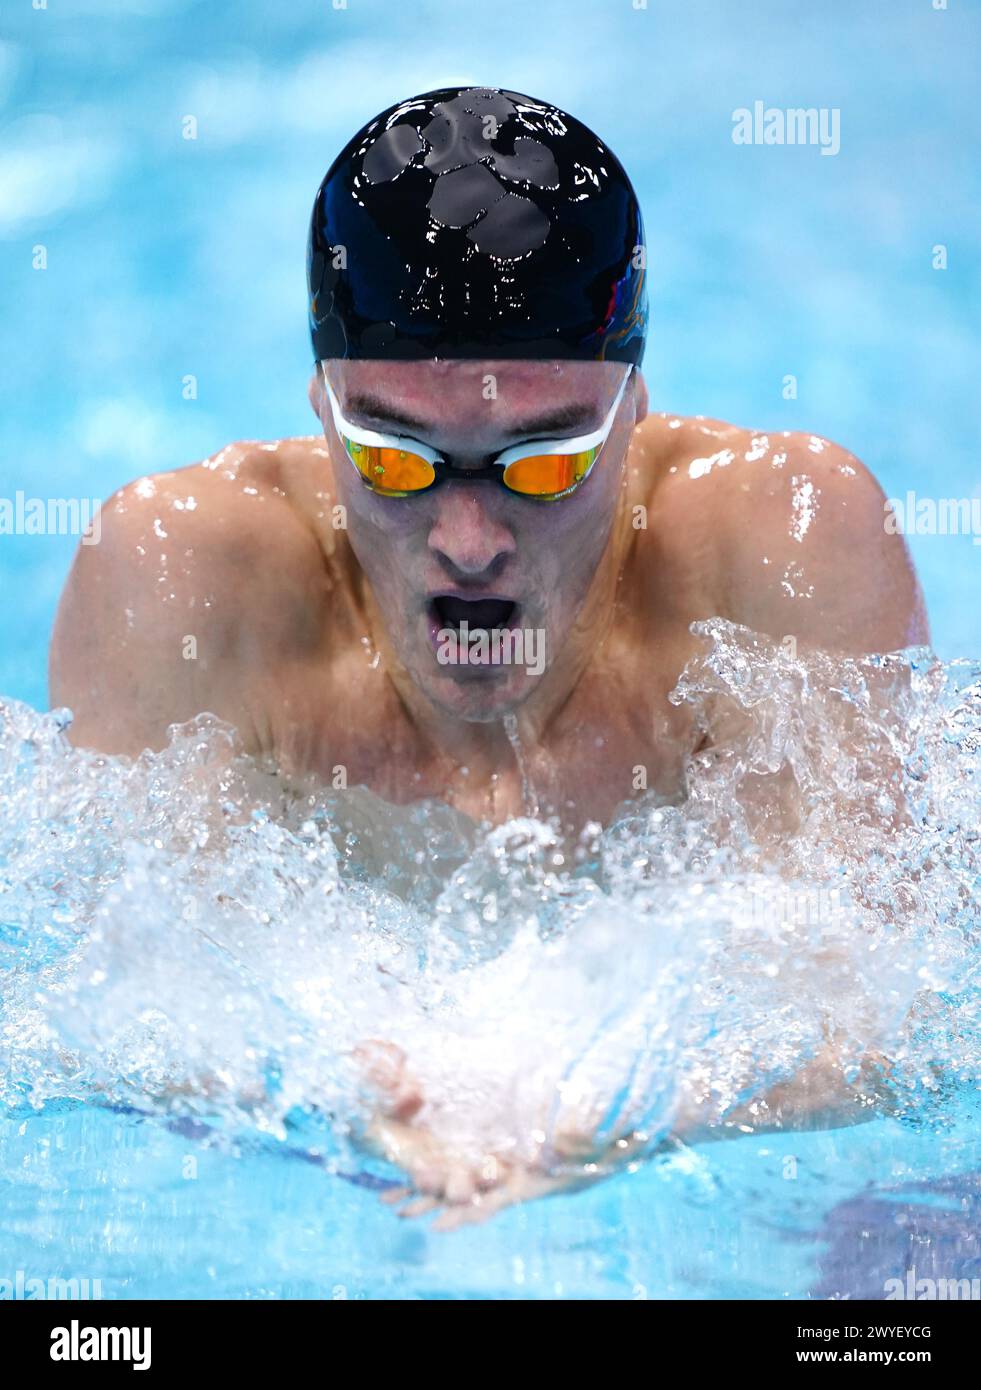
[
  {"x": 789, "y": 530},
  {"x": 191, "y": 573}
]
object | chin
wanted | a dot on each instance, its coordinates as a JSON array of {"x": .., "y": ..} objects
[{"x": 480, "y": 698}]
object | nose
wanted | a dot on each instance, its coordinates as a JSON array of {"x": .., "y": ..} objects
[{"x": 466, "y": 537}]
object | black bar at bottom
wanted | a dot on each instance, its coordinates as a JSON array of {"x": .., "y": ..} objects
[{"x": 306, "y": 1337}]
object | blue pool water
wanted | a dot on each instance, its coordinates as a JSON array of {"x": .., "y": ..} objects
[
  {"x": 764, "y": 262},
  {"x": 728, "y": 1225}
]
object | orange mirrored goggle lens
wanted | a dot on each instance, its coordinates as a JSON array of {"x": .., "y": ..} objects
[
  {"x": 548, "y": 475},
  {"x": 399, "y": 472},
  {"x": 393, "y": 472}
]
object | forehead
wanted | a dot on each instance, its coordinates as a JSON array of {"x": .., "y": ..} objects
[{"x": 433, "y": 389}]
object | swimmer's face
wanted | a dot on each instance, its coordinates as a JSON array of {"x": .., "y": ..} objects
[{"x": 473, "y": 551}]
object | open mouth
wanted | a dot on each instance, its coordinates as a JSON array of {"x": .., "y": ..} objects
[
  {"x": 474, "y": 637},
  {"x": 484, "y": 614}
]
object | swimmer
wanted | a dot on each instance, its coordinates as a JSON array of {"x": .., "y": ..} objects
[
  {"x": 477, "y": 581},
  {"x": 487, "y": 464}
]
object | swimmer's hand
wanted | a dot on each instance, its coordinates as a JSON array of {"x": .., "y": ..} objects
[
  {"x": 463, "y": 1193},
  {"x": 457, "y": 1188}
]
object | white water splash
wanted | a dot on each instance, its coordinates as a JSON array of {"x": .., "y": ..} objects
[{"x": 180, "y": 936}]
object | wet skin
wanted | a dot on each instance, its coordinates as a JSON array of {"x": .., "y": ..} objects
[{"x": 312, "y": 601}]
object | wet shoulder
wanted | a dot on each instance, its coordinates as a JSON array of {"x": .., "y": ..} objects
[
  {"x": 228, "y": 532},
  {"x": 725, "y": 475},
  {"x": 715, "y": 490},
  {"x": 783, "y": 531},
  {"x": 239, "y": 501},
  {"x": 684, "y": 451}
]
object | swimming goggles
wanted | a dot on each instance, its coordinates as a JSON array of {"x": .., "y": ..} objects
[{"x": 546, "y": 469}]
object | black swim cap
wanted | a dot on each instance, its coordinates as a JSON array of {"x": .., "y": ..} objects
[{"x": 472, "y": 222}]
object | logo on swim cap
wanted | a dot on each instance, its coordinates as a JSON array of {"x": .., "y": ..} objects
[{"x": 476, "y": 223}]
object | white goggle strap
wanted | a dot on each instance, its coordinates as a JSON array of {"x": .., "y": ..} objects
[{"x": 369, "y": 438}]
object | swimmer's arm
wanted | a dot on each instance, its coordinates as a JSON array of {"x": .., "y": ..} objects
[
  {"x": 117, "y": 654},
  {"x": 181, "y": 610},
  {"x": 806, "y": 552},
  {"x": 805, "y": 556},
  {"x": 824, "y": 1094}
]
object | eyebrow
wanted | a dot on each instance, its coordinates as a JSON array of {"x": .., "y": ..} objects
[{"x": 563, "y": 419}]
